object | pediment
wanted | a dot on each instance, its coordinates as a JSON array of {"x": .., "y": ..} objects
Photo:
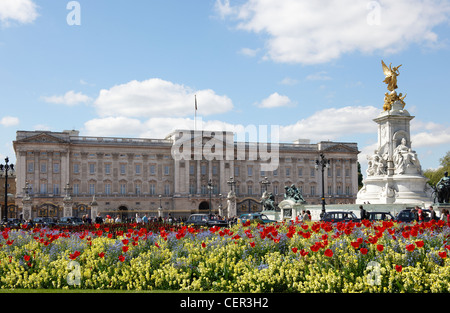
[
  {"x": 340, "y": 148},
  {"x": 42, "y": 138}
]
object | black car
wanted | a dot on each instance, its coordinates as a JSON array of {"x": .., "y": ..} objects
[
  {"x": 206, "y": 220},
  {"x": 262, "y": 218},
  {"x": 43, "y": 221},
  {"x": 380, "y": 216},
  {"x": 70, "y": 221},
  {"x": 408, "y": 216},
  {"x": 340, "y": 216}
]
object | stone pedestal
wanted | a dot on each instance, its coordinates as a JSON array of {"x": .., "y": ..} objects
[
  {"x": 394, "y": 174},
  {"x": 26, "y": 208}
]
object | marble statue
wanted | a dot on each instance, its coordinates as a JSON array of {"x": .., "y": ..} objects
[
  {"x": 268, "y": 201},
  {"x": 404, "y": 158}
]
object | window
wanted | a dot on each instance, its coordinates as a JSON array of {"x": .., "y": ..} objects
[
  {"x": 263, "y": 173},
  {"x": 313, "y": 190},
  {"x": 313, "y": 172},
  {"x": 347, "y": 172},
  {"x": 338, "y": 172},
  {"x": 192, "y": 189},
  {"x": 330, "y": 190},
  {"x": 214, "y": 170},
  {"x": 275, "y": 172},
  {"x": 191, "y": 169},
  {"x": 166, "y": 170},
  {"x": 122, "y": 169},
  {"x": 288, "y": 171},
  {"x": 152, "y": 189},
  {"x": 339, "y": 189},
  {"x": 167, "y": 189},
  {"x": 203, "y": 169},
  {"x": 108, "y": 189},
  {"x": 138, "y": 169},
  {"x": 56, "y": 189},
  {"x": 204, "y": 190},
  {"x": 30, "y": 167},
  {"x": 123, "y": 189},
  {"x": 236, "y": 171},
  {"x": 43, "y": 188},
  {"x": 55, "y": 167},
  {"x": 250, "y": 189},
  {"x": 347, "y": 190},
  {"x": 300, "y": 171},
  {"x": 275, "y": 189},
  {"x": 249, "y": 170},
  {"x": 92, "y": 189},
  {"x": 43, "y": 167},
  {"x": 76, "y": 168},
  {"x": 91, "y": 168},
  {"x": 107, "y": 168},
  {"x": 138, "y": 189},
  {"x": 152, "y": 169},
  {"x": 76, "y": 189}
]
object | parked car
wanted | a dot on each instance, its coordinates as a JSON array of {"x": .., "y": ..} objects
[
  {"x": 380, "y": 216},
  {"x": 261, "y": 218},
  {"x": 340, "y": 216},
  {"x": 407, "y": 216},
  {"x": 43, "y": 221},
  {"x": 70, "y": 221},
  {"x": 13, "y": 222},
  {"x": 206, "y": 220}
]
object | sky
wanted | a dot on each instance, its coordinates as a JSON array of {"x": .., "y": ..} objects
[{"x": 121, "y": 68}]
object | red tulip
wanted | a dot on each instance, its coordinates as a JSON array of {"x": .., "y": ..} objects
[
  {"x": 101, "y": 254},
  {"x": 121, "y": 258},
  {"x": 443, "y": 255},
  {"x": 125, "y": 248},
  {"x": 363, "y": 251},
  {"x": 380, "y": 248},
  {"x": 294, "y": 249},
  {"x": 398, "y": 268},
  {"x": 303, "y": 252},
  {"x": 203, "y": 245},
  {"x": 252, "y": 244},
  {"x": 419, "y": 243},
  {"x": 125, "y": 241},
  {"x": 328, "y": 253},
  {"x": 410, "y": 247},
  {"x": 26, "y": 257}
]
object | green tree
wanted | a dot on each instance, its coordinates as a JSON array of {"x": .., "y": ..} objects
[{"x": 435, "y": 175}]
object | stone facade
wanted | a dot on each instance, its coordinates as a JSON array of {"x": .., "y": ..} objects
[{"x": 138, "y": 175}]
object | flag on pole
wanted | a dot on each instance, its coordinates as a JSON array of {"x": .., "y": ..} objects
[{"x": 195, "y": 102}]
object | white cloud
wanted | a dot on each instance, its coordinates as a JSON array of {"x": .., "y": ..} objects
[
  {"x": 318, "y": 76},
  {"x": 333, "y": 123},
  {"x": 22, "y": 11},
  {"x": 289, "y": 81},
  {"x": 275, "y": 100},
  {"x": 70, "y": 98},
  {"x": 249, "y": 52},
  {"x": 157, "y": 97},
  {"x": 8, "y": 121},
  {"x": 311, "y": 32}
]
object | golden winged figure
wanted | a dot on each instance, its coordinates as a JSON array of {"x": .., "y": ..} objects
[{"x": 391, "y": 74}]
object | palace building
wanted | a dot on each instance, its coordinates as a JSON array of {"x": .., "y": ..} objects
[{"x": 186, "y": 172}]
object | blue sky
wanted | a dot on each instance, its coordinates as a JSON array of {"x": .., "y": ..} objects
[{"x": 132, "y": 68}]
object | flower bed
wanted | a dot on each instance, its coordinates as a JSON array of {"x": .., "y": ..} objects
[{"x": 281, "y": 257}]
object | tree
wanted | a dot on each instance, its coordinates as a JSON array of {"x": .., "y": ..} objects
[
  {"x": 435, "y": 175},
  {"x": 360, "y": 177}
]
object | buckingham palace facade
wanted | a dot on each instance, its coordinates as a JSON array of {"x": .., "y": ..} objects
[{"x": 173, "y": 175}]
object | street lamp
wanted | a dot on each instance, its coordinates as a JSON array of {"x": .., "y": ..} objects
[
  {"x": 265, "y": 183},
  {"x": 231, "y": 183},
  {"x": 210, "y": 188},
  {"x": 322, "y": 164},
  {"x": 4, "y": 170}
]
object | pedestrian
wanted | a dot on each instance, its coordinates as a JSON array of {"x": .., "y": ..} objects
[
  {"x": 145, "y": 219},
  {"x": 118, "y": 220},
  {"x": 138, "y": 218},
  {"x": 98, "y": 219},
  {"x": 87, "y": 219},
  {"x": 308, "y": 213},
  {"x": 362, "y": 212},
  {"x": 432, "y": 213}
]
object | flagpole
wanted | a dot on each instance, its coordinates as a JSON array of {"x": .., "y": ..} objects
[{"x": 195, "y": 114}]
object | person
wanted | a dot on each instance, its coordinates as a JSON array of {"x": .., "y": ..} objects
[
  {"x": 87, "y": 219},
  {"x": 308, "y": 213},
  {"x": 118, "y": 220},
  {"x": 305, "y": 216},
  {"x": 432, "y": 213},
  {"x": 98, "y": 219},
  {"x": 138, "y": 218},
  {"x": 362, "y": 212},
  {"x": 444, "y": 215},
  {"x": 145, "y": 219}
]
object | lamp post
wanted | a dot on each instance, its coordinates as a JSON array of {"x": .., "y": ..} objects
[
  {"x": 210, "y": 188},
  {"x": 4, "y": 168},
  {"x": 265, "y": 183},
  {"x": 231, "y": 183},
  {"x": 322, "y": 164}
]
